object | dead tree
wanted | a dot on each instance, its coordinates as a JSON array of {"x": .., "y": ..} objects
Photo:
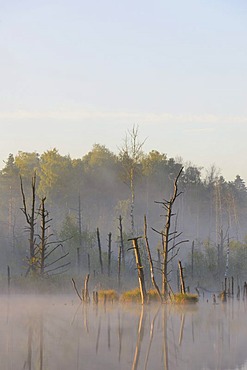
[
  {"x": 139, "y": 270},
  {"x": 31, "y": 222},
  {"x": 100, "y": 251},
  {"x": 79, "y": 249},
  {"x": 168, "y": 236},
  {"x": 119, "y": 266},
  {"x": 121, "y": 241},
  {"x": 109, "y": 254},
  {"x": 181, "y": 274},
  {"x": 192, "y": 259},
  {"x": 46, "y": 247},
  {"x": 156, "y": 287},
  {"x": 85, "y": 295}
]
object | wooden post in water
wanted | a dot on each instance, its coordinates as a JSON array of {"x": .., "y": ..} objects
[{"x": 232, "y": 286}]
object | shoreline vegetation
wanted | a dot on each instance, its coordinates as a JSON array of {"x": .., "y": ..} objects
[{"x": 127, "y": 220}]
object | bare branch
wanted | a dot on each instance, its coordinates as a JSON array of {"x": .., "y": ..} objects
[
  {"x": 59, "y": 267},
  {"x": 58, "y": 259}
]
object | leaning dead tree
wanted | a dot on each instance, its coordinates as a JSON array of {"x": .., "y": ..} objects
[
  {"x": 170, "y": 239},
  {"x": 139, "y": 266}
]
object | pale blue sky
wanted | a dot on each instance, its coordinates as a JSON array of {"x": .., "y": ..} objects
[{"x": 74, "y": 73}]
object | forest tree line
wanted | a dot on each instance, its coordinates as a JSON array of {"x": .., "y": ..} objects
[{"x": 91, "y": 193}]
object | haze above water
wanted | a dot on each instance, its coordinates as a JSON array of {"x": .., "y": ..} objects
[{"x": 57, "y": 333}]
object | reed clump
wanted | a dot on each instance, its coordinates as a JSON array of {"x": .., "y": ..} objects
[
  {"x": 153, "y": 296},
  {"x": 108, "y": 295},
  {"x": 184, "y": 298},
  {"x": 133, "y": 295}
]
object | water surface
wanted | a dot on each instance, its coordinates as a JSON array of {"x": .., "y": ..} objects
[{"x": 58, "y": 333}]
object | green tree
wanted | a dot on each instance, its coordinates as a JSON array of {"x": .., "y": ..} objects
[
  {"x": 55, "y": 176},
  {"x": 27, "y": 163}
]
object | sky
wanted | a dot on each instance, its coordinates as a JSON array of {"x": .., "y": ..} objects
[{"x": 75, "y": 73}]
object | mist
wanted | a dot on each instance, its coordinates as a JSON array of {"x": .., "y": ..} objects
[{"x": 56, "y": 332}]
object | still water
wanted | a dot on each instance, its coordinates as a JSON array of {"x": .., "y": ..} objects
[{"x": 58, "y": 333}]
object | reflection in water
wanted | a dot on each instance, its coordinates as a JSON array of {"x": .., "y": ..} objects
[
  {"x": 57, "y": 334},
  {"x": 151, "y": 337},
  {"x": 139, "y": 339}
]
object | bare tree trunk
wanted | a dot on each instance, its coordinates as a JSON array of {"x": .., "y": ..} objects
[
  {"x": 100, "y": 252},
  {"x": 140, "y": 270},
  {"x": 31, "y": 221},
  {"x": 181, "y": 277},
  {"x": 122, "y": 241},
  {"x": 192, "y": 259},
  {"x": 86, "y": 297},
  {"x": 42, "y": 247},
  {"x": 167, "y": 236},
  {"x": 78, "y": 259},
  {"x": 119, "y": 266},
  {"x": 79, "y": 221},
  {"x": 88, "y": 263},
  {"x": 150, "y": 260},
  {"x": 9, "y": 279},
  {"x": 109, "y": 254},
  {"x": 132, "y": 188}
]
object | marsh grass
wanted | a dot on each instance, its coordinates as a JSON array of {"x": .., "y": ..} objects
[
  {"x": 181, "y": 298},
  {"x": 109, "y": 295},
  {"x": 134, "y": 295}
]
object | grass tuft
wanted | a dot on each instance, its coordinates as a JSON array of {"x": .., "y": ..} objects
[
  {"x": 184, "y": 298},
  {"x": 133, "y": 295},
  {"x": 109, "y": 295}
]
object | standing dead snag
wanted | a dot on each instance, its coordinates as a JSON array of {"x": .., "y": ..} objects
[
  {"x": 45, "y": 248},
  {"x": 31, "y": 222},
  {"x": 40, "y": 247},
  {"x": 168, "y": 236},
  {"x": 183, "y": 291},
  {"x": 109, "y": 254},
  {"x": 85, "y": 295},
  {"x": 150, "y": 260},
  {"x": 140, "y": 270},
  {"x": 121, "y": 241},
  {"x": 100, "y": 251}
]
